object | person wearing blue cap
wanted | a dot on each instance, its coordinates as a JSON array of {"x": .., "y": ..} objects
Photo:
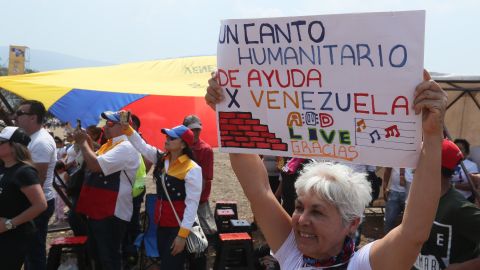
[
  {"x": 21, "y": 198},
  {"x": 177, "y": 173},
  {"x": 106, "y": 195}
]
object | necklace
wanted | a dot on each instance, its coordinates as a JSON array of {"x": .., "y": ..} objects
[{"x": 340, "y": 261}]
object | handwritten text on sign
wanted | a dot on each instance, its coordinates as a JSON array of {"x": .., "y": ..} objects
[{"x": 335, "y": 87}]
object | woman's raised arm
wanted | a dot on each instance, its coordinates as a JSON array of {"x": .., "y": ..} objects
[
  {"x": 274, "y": 222},
  {"x": 401, "y": 246}
]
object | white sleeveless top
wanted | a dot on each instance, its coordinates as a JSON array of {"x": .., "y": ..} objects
[{"x": 290, "y": 258}]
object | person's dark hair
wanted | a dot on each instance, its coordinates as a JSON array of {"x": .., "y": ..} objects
[
  {"x": 136, "y": 121},
  {"x": 188, "y": 151},
  {"x": 447, "y": 172},
  {"x": 21, "y": 153},
  {"x": 98, "y": 134},
  {"x": 37, "y": 108},
  {"x": 465, "y": 144},
  {"x": 161, "y": 157},
  {"x": 60, "y": 165},
  {"x": 57, "y": 139},
  {"x": 95, "y": 131}
]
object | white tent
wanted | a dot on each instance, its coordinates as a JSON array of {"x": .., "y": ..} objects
[{"x": 463, "y": 112}]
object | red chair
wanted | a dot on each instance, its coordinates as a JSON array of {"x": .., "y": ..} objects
[
  {"x": 235, "y": 252},
  {"x": 63, "y": 245}
]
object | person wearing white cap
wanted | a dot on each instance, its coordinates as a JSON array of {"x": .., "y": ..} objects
[
  {"x": 21, "y": 198},
  {"x": 182, "y": 179}
]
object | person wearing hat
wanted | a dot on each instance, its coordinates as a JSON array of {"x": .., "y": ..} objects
[
  {"x": 183, "y": 181},
  {"x": 21, "y": 198},
  {"x": 454, "y": 241},
  {"x": 204, "y": 157},
  {"x": 106, "y": 195}
]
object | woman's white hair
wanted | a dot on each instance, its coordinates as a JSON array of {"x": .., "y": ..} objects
[{"x": 349, "y": 191}]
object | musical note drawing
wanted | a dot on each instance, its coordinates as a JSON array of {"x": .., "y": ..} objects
[
  {"x": 385, "y": 134},
  {"x": 392, "y": 131},
  {"x": 361, "y": 125},
  {"x": 371, "y": 136}
]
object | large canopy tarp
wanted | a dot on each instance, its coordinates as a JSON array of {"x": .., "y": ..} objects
[
  {"x": 463, "y": 110},
  {"x": 160, "y": 92}
]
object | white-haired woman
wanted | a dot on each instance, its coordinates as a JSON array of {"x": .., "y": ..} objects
[{"x": 332, "y": 198}]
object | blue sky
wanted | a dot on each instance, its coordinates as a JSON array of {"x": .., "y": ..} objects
[{"x": 120, "y": 31}]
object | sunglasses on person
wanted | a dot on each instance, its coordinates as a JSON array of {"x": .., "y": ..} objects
[
  {"x": 20, "y": 113},
  {"x": 111, "y": 124},
  {"x": 171, "y": 138}
]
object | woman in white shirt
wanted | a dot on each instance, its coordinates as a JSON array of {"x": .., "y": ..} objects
[{"x": 332, "y": 198}]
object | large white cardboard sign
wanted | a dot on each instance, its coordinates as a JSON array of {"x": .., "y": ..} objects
[{"x": 334, "y": 87}]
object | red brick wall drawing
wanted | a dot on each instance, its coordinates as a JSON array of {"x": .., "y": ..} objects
[{"x": 240, "y": 130}]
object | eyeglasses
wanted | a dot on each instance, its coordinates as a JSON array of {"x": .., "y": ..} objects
[
  {"x": 20, "y": 113},
  {"x": 111, "y": 124},
  {"x": 171, "y": 138}
]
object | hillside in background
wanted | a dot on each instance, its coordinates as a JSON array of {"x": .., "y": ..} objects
[{"x": 41, "y": 60}]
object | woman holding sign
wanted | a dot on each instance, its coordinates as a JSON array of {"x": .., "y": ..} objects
[{"x": 332, "y": 198}]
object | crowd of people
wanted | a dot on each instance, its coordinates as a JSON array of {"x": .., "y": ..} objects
[
  {"x": 308, "y": 211},
  {"x": 102, "y": 170}
]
